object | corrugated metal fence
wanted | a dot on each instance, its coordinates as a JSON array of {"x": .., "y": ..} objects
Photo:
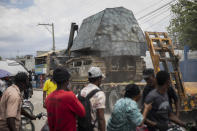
[{"x": 189, "y": 70}]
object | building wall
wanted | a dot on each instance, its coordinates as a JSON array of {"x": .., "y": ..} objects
[
  {"x": 30, "y": 64},
  {"x": 38, "y": 53}
]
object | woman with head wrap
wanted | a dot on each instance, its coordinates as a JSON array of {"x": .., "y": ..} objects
[{"x": 126, "y": 115}]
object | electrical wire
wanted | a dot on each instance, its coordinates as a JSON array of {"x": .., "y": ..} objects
[
  {"x": 158, "y": 23},
  {"x": 157, "y": 14},
  {"x": 47, "y": 28},
  {"x": 154, "y": 15},
  {"x": 155, "y": 10},
  {"x": 152, "y": 5}
]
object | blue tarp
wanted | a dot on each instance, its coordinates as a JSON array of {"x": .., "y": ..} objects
[{"x": 188, "y": 70}]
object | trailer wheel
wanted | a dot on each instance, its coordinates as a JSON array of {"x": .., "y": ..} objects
[{"x": 113, "y": 97}]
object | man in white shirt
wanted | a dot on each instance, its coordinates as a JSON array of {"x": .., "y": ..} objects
[{"x": 98, "y": 100}]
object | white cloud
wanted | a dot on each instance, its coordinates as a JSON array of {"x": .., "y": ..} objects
[
  {"x": 18, "y": 27},
  {"x": 14, "y": 1}
]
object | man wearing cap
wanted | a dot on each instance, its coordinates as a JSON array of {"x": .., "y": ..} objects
[
  {"x": 149, "y": 77},
  {"x": 98, "y": 100}
]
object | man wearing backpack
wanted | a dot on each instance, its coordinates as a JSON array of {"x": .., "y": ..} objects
[{"x": 93, "y": 100}]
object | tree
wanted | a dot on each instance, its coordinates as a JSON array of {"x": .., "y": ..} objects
[
  {"x": 0, "y": 58},
  {"x": 183, "y": 25}
]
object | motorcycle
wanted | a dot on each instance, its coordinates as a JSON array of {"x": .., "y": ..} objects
[{"x": 27, "y": 124}]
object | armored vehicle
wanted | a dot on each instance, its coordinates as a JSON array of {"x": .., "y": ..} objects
[{"x": 113, "y": 41}]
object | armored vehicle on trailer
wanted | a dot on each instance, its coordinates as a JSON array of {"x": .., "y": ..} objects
[{"x": 113, "y": 41}]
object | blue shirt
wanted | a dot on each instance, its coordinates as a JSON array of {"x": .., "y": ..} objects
[{"x": 126, "y": 116}]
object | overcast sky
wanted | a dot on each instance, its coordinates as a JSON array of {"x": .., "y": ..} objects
[{"x": 20, "y": 35}]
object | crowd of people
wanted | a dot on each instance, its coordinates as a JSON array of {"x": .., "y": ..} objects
[{"x": 84, "y": 111}]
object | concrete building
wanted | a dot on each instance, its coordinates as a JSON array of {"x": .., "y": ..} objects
[{"x": 28, "y": 61}]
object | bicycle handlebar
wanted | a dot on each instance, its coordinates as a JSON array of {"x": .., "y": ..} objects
[{"x": 40, "y": 115}]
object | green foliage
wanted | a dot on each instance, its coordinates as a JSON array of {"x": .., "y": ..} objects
[
  {"x": 0, "y": 58},
  {"x": 183, "y": 26}
]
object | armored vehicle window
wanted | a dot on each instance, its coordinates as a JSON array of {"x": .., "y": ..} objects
[
  {"x": 130, "y": 67},
  {"x": 70, "y": 64},
  {"x": 115, "y": 67},
  {"x": 87, "y": 62},
  {"x": 77, "y": 63}
]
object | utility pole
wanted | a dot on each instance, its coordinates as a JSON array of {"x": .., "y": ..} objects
[{"x": 53, "y": 36}]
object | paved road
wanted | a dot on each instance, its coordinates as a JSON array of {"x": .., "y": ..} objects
[{"x": 37, "y": 102}]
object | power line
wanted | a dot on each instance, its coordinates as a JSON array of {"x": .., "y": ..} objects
[
  {"x": 52, "y": 32},
  {"x": 155, "y": 10},
  {"x": 160, "y": 21},
  {"x": 139, "y": 12},
  {"x": 47, "y": 28},
  {"x": 165, "y": 1},
  {"x": 155, "y": 15}
]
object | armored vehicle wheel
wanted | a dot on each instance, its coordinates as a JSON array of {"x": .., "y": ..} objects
[{"x": 113, "y": 97}]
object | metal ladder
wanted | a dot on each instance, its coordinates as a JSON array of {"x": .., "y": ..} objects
[{"x": 162, "y": 51}]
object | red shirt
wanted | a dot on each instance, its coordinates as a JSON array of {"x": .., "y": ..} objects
[{"x": 62, "y": 109}]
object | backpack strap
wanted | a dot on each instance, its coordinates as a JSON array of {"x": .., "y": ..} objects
[{"x": 92, "y": 93}]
